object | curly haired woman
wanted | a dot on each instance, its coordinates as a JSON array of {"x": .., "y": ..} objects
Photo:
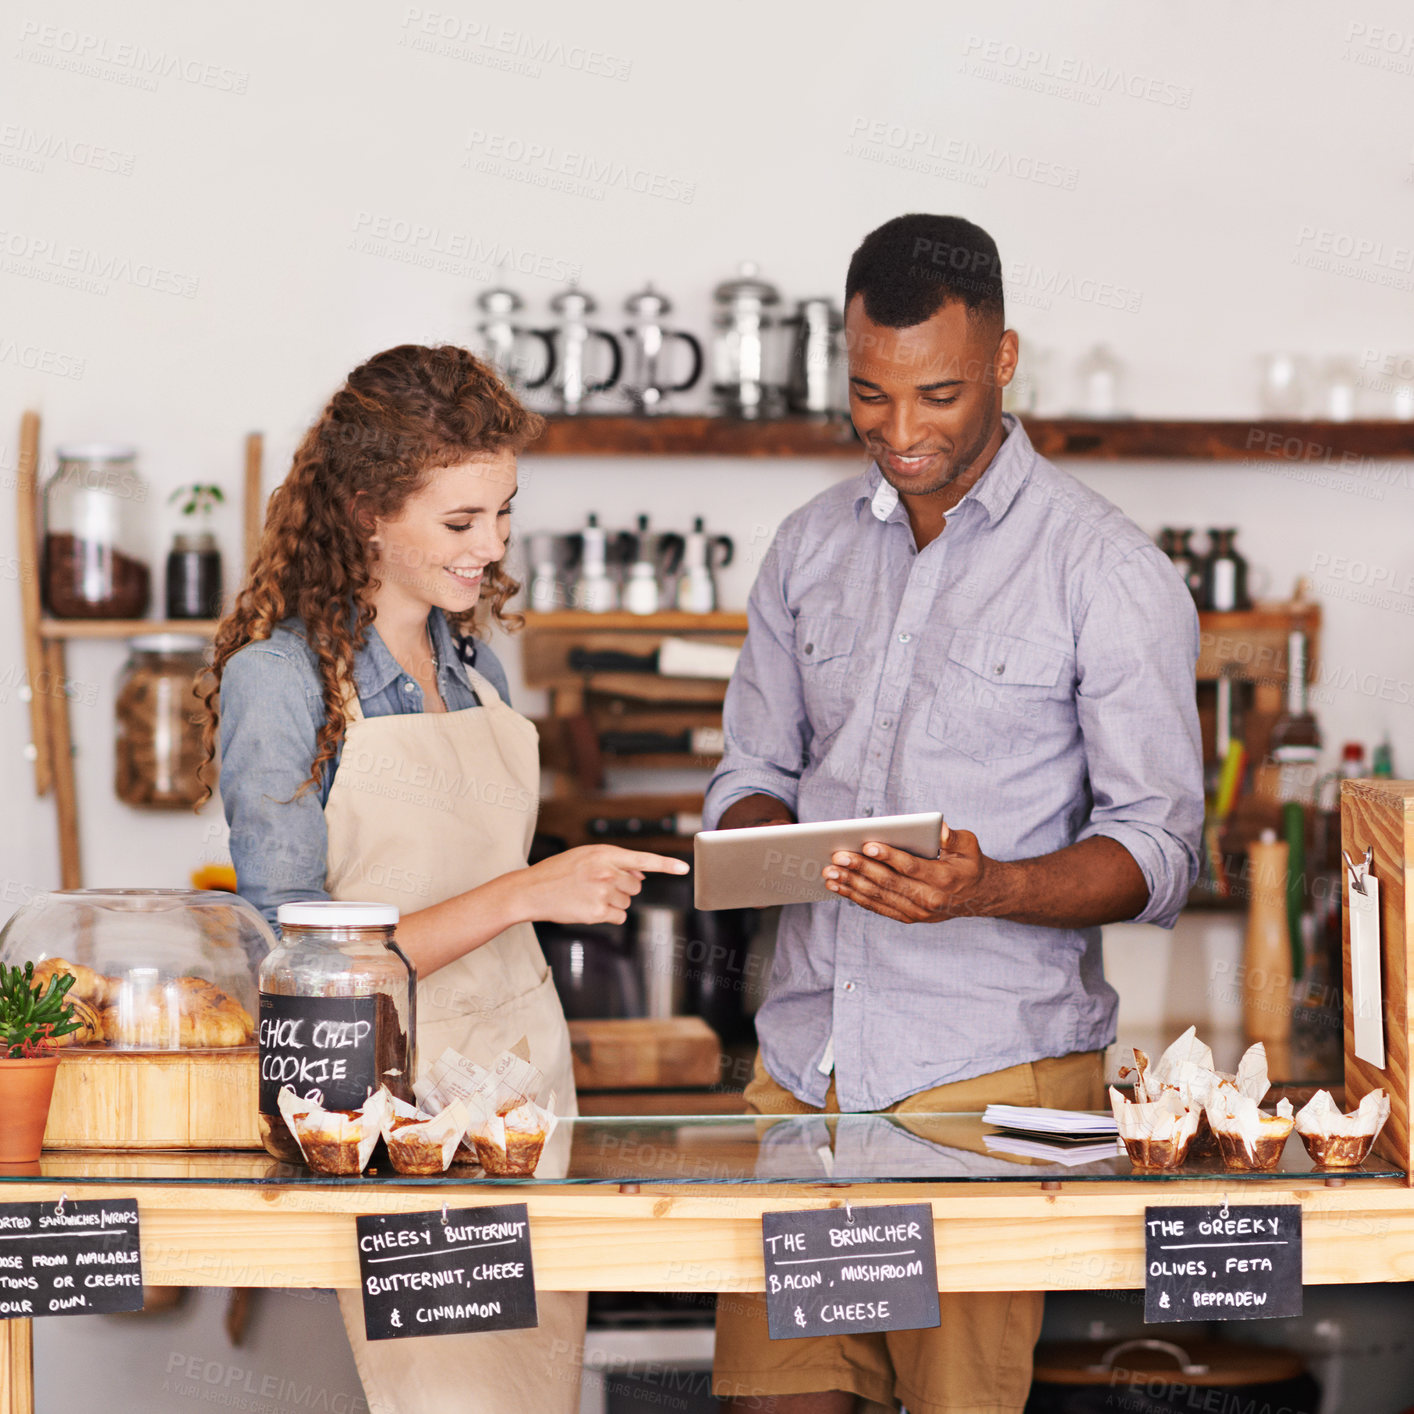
[{"x": 368, "y": 753}]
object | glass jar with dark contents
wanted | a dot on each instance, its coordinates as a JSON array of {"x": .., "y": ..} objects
[
  {"x": 95, "y": 547},
  {"x": 338, "y": 1014}
]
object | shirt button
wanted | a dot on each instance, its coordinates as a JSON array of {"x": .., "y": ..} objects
[
  {"x": 809, "y": 649},
  {"x": 999, "y": 669},
  {"x": 868, "y": 809},
  {"x": 409, "y": 687},
  {"x": 887, "y": 722},
  {"x": 905, "y": 638},
  {"x": 849, "y": 986}
]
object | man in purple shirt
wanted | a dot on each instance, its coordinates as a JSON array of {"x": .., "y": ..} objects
[{"x": 964, "y": 628}]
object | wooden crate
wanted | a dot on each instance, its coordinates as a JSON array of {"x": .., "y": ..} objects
[
  {"x": 156, "y": 1100},
  {"x": 643, "y": 1053},
  {"x": 1380, "y": 814}
]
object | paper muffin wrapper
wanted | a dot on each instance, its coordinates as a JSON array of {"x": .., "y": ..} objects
[
  {"x": 510, "y": 1144},
  {"x": 1155, "y": 1133},
  {"x": 1246, "y": 1137},
  {"x": 1335, "y": 1140},
  {"x": 427, "y": 1145},
  {"x": 330, "y": 1140}
]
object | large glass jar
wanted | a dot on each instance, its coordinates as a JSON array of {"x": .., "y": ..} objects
[
  {"x": 154, "y": 969},
  {"x": 95, "y": 565},
  {"x": 159, "y": 717},
  {"x": 338, "y": 1013}
]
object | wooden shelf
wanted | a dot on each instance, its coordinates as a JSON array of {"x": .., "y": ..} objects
[
  {"x": 668, "y": 621},
  {"x": 124, "y": 628},
  {"x": 696, "y": 436},
  {"x": 1303, "y": 443}
]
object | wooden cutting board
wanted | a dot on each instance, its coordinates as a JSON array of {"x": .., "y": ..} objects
[{"x": 674, "y": 1053}]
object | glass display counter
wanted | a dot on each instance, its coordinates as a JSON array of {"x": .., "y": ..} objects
[{"x": 717, "y": 1149}]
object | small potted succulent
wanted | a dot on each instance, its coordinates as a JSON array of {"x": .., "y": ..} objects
[
  {"x": 32, "y": 1017},
  {"x": 194, "y": 561}
]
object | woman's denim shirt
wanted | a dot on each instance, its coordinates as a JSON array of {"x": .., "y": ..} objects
[{"x": 272, "y": 707}]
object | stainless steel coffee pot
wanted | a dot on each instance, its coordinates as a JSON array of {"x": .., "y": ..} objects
[{"x": 697, "y": 584}]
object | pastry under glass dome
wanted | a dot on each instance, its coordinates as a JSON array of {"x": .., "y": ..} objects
[{"x": 154, "y": 969}]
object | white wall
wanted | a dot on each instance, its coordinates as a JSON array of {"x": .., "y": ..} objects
[{"x": 1193, "y": 160}]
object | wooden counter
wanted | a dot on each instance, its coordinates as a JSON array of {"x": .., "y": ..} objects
[{"x": 204, "y": 1224}]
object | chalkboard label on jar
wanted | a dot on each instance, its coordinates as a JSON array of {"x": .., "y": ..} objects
[{"x": 321, "y": 1047}]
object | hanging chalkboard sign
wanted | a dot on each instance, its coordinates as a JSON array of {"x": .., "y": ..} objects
[
  {"x": 69, "y": 1259},
  {"x": 448, "y": 1272},
  {"x": 1222, "y": 1264},
  {"x": 846, "y": 1270},
  {"x": 321, "y": 1047}
]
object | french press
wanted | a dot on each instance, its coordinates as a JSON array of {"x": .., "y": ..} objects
[
  {"x": 570, "y": 341},
  {"x": 746, "y": 362},
  {"x": 646, "y": 381},
  {"x": 502, "y": 340}
]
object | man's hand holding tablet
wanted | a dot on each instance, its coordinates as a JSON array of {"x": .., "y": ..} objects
[{"x": 778, "y": 861}]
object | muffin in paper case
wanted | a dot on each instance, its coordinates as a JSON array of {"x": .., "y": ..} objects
[
  {"x": 1248, "y": 1138},
  {"x": 334, "y": 1141},
  {"x": 1340, "y": 1141},
  {"x": 1156, "y": 1133},
  {"x": 422, "y": 1144}
]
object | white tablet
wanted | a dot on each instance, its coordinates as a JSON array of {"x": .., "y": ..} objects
[{"x": 770, "y": 864}]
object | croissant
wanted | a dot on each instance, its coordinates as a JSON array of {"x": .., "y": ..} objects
[
  {"x": 199, "y": 1013},
  {"x": 90, "y": 1032},
  {"x": 89, "y": 986}
]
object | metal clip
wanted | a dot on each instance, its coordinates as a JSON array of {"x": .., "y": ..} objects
[
  {"x": 848, "y": 1211},
  {"x": 1358, "y": 872},
  {"x": 1223, "y": 1214},
  {"x": 444, "y": 1212},
  {"x": 59, "y": 1207}
]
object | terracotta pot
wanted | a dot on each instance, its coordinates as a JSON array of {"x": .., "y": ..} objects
[{"x": 26, "y": 1087}]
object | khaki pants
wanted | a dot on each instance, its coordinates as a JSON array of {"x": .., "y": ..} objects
[{"x": 978, "y": 1360}]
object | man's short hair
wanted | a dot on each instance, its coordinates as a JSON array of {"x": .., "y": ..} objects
[{"x": 908, "y": 268}]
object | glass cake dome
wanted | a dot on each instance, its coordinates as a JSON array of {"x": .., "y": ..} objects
[{"x": 154, "y": 969}]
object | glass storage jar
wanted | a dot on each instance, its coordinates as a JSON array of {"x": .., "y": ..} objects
[
  {"x": 94, "y": 561},
  {"x": 155, "y": 969},
  {"x": 159, "y": 716},
  {"x": 338, "y": 1013}
]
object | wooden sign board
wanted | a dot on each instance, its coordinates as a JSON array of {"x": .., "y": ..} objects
[
  {"x": 1379, "y": 815},
  {"x": 69, "y": 1259},
  {"x": 845, "y": 1270},
  {"x": 446, "y": 1272},
  {"x": 1222, "y": 1264}
]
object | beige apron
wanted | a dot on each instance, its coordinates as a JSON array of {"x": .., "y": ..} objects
[{"x": 425, "y": 806}]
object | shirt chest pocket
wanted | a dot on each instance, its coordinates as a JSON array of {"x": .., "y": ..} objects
[
  {"x": 823, "y": 648},
  {"x": 993, "y": 694}
]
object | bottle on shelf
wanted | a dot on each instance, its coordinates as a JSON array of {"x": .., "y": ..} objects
[
  {"x": 1382, "y": 763},
  {"x": 1224, "y": 573},
  {"x": 1295, "y": 744},
  {"x": 1352, "y": 760},
  {"x": 1174, "y": 543}
]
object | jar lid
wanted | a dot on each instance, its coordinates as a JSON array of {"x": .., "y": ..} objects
[
  {"x": 337, "y": 914},
  {"x": 167, "y": 643},
  {"x": 95, "y": 452}
]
